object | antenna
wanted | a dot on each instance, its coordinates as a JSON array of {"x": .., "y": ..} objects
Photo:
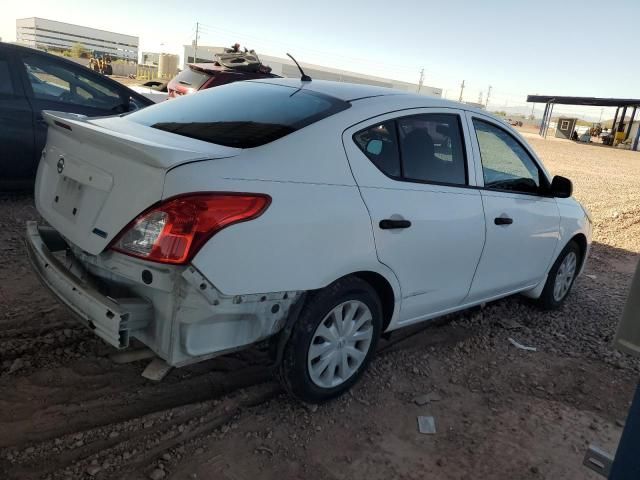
[{"x": 304, "y": 77}]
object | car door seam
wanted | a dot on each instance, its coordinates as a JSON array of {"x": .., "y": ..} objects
[
  {"x": 371, "y": 221},
  {"x": 484, "y": 244}
]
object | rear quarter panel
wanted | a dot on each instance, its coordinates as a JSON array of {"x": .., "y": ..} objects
[{"x": 316, "y": 230}]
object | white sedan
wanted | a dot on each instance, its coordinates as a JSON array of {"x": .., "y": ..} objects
[{"x": 315, "y": 214}]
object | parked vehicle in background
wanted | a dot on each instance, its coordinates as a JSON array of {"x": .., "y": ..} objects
[
  {"x": 153, "y": 90},
  {"x": 227, "y": 68},
  {"x": 315, "y": 214},
  {"x": 32, "y": 81}
]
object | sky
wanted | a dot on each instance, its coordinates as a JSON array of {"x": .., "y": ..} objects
[{"x": 554, "y": 47}]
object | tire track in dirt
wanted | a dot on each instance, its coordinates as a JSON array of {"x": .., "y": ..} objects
[
  {"x": 121, "y": 447},
  {"x": 68, "y": 400}
]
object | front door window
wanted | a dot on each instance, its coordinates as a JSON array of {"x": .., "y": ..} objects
[{"x": 506, "y": 165}]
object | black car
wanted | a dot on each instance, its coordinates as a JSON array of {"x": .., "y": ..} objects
[{"x": 32, "y": 81}]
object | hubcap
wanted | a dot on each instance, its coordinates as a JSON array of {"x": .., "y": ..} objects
[
  {"x": 340, "y": 344},
  {"x": 565, "y": 276}
]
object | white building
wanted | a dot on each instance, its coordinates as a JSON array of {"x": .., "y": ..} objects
[
  {"x": 51, "y": 35},
  {"x": 286, "y": 68}
]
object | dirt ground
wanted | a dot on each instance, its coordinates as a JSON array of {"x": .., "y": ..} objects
[{"x": 67, "y": 411}]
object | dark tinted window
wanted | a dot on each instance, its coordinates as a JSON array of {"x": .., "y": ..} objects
[
  {"x": 6, "y": 87},
  {"x": 424, "y": 148},
  {"x": 379, "y": 144},
  {"x": 431, "y": 148},
  {"x": 506, "y": 165},
  {"x": 192, "y": 78},
  {"x": 241, "y": 114}
]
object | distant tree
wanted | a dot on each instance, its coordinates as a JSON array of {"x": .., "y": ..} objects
[
  {"x": 502, "y": 113},
  {"x": 531, "y": 117},
  {"x": 78, "y": 50}
]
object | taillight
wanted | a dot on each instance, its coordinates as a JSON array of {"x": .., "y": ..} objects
[{"x": 174, "y": 230}]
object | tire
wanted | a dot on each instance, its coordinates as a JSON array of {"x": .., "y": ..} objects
[
  {"x": 549, "y": 300},
  {"x": 299, "y": 374}
]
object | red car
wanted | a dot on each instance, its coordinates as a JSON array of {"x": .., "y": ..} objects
[{"x": 198, "y": 76}]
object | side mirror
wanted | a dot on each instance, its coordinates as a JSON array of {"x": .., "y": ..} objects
[{"x": 561, "y": 187}]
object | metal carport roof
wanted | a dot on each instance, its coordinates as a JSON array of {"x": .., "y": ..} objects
[
  {"x": 618, "y": 121},
  {"x": 586, "y": 101}
]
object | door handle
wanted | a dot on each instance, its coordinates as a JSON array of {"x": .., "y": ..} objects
[
  {"x": 391, "y": 224},
  {"x": 503, "y": 221}
]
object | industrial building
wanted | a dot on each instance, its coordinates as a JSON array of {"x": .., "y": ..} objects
[
  {"x": 286, "y": 68},
  {"x": 150, "y": 58},
  {"x": 52, "y": 35}
]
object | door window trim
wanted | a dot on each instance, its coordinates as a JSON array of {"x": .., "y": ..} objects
[
  {"x": 458, "y": 114},
  {"x": 545, "y": 183}
]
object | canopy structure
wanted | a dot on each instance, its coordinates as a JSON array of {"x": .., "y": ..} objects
[{"x": 618, "y": 120}]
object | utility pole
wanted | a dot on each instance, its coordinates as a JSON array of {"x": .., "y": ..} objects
[
  {"x": 601, "y": 110},
  {"x": 421, "y": 80},
  {"x": 480, "y": 97},
  {"x": 486, "y": 102},
  {"x": 533, "y": 106},
  {"x": 195, "y": 44},
  {"x": 461, "y": 90}
]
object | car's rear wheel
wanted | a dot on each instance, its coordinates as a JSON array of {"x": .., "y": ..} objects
[
  {"x": 561, "y": 277},
  {"x": 332, "y": 341}
]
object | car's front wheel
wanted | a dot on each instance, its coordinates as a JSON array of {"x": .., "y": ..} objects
[
  {"x": 561, "y": 277},
  {"x": 332, "y": 341}
]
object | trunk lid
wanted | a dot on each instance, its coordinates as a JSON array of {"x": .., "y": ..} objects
[{"x": 96, "y": 175}]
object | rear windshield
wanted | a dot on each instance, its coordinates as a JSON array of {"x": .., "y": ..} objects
[
  {"x": 192, "y": 78},
  {"x": 240, "y": 114}
]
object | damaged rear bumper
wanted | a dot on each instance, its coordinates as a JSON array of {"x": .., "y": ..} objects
[{"x": 112, "y": 319}]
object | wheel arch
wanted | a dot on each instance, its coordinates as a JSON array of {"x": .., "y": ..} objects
[
  {"x": 385, "y": 293},
  {"x": 581, "y": 240},
  {"x": 387, "y": 289}
]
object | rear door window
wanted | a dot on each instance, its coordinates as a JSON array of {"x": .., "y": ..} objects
[
  {"x": 379, "y": 144},
  {"x": 240, "y": 114},
  {"x": 431, "y": 148},
  {"x": 425, "y": 148}
]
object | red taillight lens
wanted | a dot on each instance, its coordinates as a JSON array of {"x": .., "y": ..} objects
[{"x": 173, "y": 231}]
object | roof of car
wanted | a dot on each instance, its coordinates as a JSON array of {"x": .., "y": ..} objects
[
  {"x": 352, "y": 91},
  {"x": 340, "y": 90}
]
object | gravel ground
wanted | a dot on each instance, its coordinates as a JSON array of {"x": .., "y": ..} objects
[{"x": 67, "y": 411}]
